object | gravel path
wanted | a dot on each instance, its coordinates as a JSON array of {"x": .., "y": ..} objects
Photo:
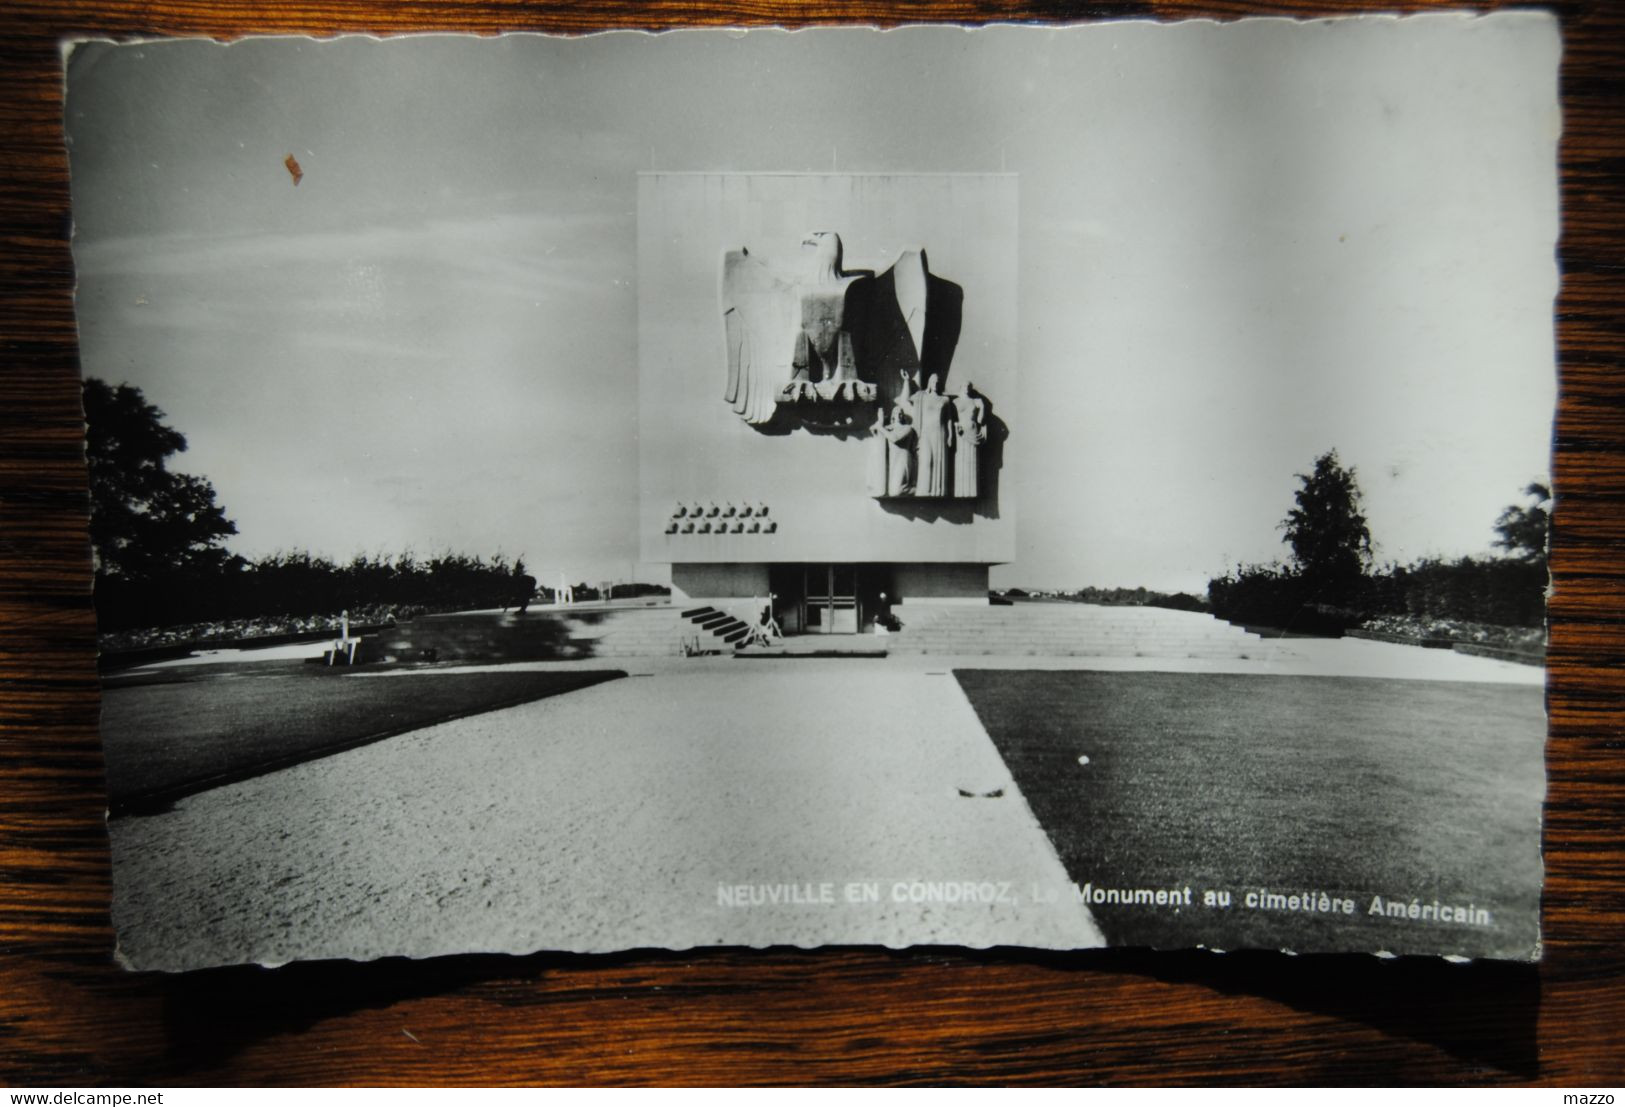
[{"x": 616, "y": 817}]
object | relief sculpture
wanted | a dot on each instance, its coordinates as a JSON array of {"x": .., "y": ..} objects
[
  {"x": 791, "y": 328},
  {"x": 810, "y": 344},
  {"x": 928, "y": 445}
]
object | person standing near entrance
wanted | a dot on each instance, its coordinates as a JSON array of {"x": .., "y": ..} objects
[{"x": 767, "y": 629}]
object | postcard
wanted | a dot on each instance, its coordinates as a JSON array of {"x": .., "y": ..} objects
[{"x": 1053, "y": 487}]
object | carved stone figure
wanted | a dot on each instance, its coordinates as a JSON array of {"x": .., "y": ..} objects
[
  {"x": 970, "y": 431},
  {"x": 758, "y": 313},
  {"x": 898, "y": 432},
  {"x": 900, "y": 453},
  {"x": 877, "y": 447},
  {"x": 931, "y": 429},
  {"x": 823, "y": 356},
  {"x": 907, "y": 386},
  {"x": 909, "y": 284}
]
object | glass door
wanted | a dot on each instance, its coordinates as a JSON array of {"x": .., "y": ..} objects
[
  {"x": 843, "y": 599},
  {"x": 832, "y": 599}
]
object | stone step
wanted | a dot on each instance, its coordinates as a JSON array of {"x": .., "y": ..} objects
[{"x": 1078, "y": 630}]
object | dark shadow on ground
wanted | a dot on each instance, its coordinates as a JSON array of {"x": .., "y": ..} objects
[
  {"x": 170, "y": 735},
  {"x": 487, "y": 636}
]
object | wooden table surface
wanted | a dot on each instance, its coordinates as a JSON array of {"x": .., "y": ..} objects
[{"x": 69, "y": 1017}]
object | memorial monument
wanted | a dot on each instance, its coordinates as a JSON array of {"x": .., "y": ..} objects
[{"x": 853, "y": 309}]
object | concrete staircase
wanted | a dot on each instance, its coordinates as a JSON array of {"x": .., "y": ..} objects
[
  {"x": 714, "y": 630},
  {"x": 1069, "y": 630}
]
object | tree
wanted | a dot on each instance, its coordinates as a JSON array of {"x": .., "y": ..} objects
[
  {"x": 524, "y": 586},
  {"x": 1522, "y": 528},
  {"x": 145, "y": 521},
  {"x": 1331, "y": 543}
]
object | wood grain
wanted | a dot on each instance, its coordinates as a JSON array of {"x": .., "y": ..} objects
[{"x": 69, "y": 1017}]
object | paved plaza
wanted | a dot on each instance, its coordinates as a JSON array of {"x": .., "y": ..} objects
[
  {"x": 622, "y": 816},
  {"x": 697, "y": 802}
]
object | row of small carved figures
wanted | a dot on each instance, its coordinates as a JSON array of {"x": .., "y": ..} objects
[
  {"x": 832, "y": 388},
  {"x": 721, "y": 526},
  {"x": 727, "y": 519}
]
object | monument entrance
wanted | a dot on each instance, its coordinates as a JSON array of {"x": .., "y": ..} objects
[
  {"x": 818, "y": 598},
  {"x": 831, "y": 603},
  {"x": 829, "y": 598}
]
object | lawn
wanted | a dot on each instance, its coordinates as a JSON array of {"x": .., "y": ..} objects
[
  {"x": 173, "y": 733},
  {"x": 1351, "y": 787}
]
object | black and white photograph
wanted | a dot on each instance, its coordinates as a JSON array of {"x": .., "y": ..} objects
[{"x": 1046, "y": 487}]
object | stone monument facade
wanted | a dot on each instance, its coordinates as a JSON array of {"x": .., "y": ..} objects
[{"x": 808, "y": 341}]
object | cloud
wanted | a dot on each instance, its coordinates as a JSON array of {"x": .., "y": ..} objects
[
  {"x": 439, "y": 289},
  {"x": 1073, "y": 227},
  {"x": 530, "y": 254}
]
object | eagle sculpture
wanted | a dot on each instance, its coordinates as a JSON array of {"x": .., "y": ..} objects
[{"x": 790, "y": 329}]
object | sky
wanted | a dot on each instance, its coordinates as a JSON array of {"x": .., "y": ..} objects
[{"x": 1240, "y": 245}]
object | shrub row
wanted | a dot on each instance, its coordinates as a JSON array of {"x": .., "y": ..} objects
[
  {"x": 1498, "y": 592},
  {"x": 1118, "y": 597},
  {"x": 300, "y": 584}
]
